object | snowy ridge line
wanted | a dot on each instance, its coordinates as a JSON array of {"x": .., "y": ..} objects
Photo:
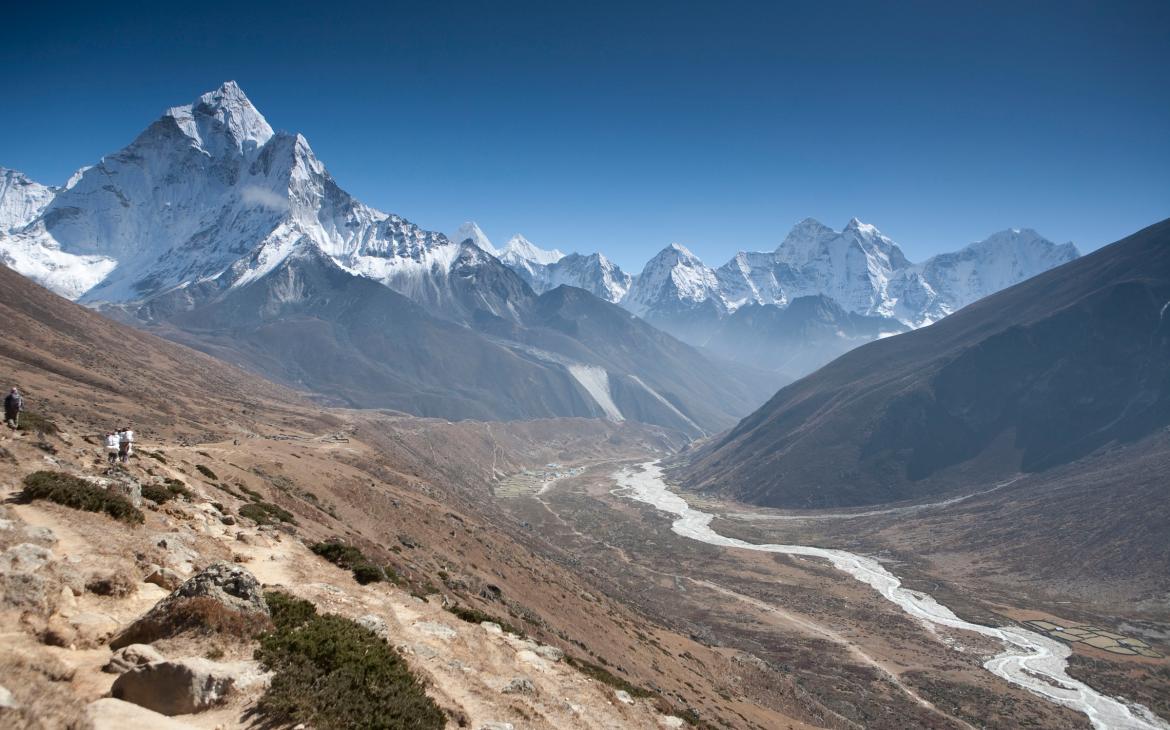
[{"x": 1029, "y": 660}]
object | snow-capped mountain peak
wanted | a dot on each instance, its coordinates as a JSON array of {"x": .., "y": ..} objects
[
  {"x": 953, "y": 280},
  {"x": 675, "y": 278},
  {"x": 210, "y": 192},
  {"x": 471, "y": 231},
  {"x": 225, "y": 115},
  {"x": 520, "y": 248},
  {"x": 21, "y": 199}
]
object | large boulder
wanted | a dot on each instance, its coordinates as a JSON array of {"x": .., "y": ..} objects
[
  {"x": 223, "y": 597},
  {"x": 176, "y": 687}
]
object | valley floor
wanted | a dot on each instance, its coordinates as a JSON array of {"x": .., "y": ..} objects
[{"x": 828, "y": 640}]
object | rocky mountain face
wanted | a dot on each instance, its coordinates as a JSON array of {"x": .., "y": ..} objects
[
  {"x": 218, "y": 231},
  {"x": 1056, "y": 369},
  {"x": 21, "y": 199}
]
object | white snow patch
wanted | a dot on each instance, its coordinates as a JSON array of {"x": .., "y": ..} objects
[{"x": 595, "y": 381}]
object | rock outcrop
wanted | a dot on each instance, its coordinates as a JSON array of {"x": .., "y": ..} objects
[{"x": 222, "y": 594}]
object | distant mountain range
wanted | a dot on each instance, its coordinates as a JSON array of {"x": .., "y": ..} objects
[
  {"x": 209, "y": 202},
  {"x": 213, "y": 229},
  {"x": 1066, "y": 366},
  {"x": 819, "y": 294}
]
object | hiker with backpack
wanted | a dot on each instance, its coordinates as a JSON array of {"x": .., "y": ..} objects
[
  {"x": 13, "y": 405},
  {"x": 113, "y": 447},
  {"x": 125, "y": 444}
]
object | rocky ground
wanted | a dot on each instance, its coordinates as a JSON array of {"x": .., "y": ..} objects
[{"x": 74, "y": 583}]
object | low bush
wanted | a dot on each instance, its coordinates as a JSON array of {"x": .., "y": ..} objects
[
  {"x": 177, "y": 488},
  {"x": 365, "y": 571},
  {"x": 252, "y": 493},
  {"x": 156, "y": 455},
  {"x": 160, "y": 493},
  {"x": 476, "y": 616},
  {"x": 156, "y": 493},
  {"x": 207, "y": 472},
  {"x": 70, "y": 491},
  {"x": 33, "y": 422},
  {"x": 263, "y": 513},
  {"x": 331, "y": 673}
]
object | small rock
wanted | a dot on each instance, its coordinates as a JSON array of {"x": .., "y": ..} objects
[
  {"x": 7, "y": 700},
  {"x": 92, "y": 629},
  {"x": 492, "y": 627},
  {"x": 39, "y": 535},
  {"x": 164, "y": 578},
  {"x": 176, "y": 687},
  {"x": 552, "y": 653},
  {"x": 423, "y": 651},
  {"x": 129, "y": 657},
  {"x": 441, "y": 631},
  {"x": 24, "y": 558},
  {"x": 227, "y": 520},
  {"x": 520, "y": 685},
  {"x": 376, "y": 624},
  {"x": 67, "y": 601},
  {"x": 25, "y": 591},
  {"x": 623, "y": 697},
  {"x": 496, "y": 726},
  {"x": 531, "y": 658}
]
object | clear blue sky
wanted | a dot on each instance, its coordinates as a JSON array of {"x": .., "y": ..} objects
[{"x": 624, "y": 127}]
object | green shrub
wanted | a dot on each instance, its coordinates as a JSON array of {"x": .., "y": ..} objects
[
  {"x": 207, "y": 472},
  {"x": 252, "y": 493},
  {"x": 156, "y": 493},
  {"x": 331, "y": 673},
  {"x": 365, "y": 571},
  {"x": 156, "y": 455},
  {"x": 177, "y": 488},
  {"x": 71, "y": 491},
  {"x": 263, "y": 513},
  {"x": 34, "y": 422},
  {"x": 160, "y": 493}
]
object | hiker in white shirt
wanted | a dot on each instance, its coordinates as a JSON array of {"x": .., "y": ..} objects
[
  {"x": 125, "y": 444},
  {"x": 112, "y": 447}
]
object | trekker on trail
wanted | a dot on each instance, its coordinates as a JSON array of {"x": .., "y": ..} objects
[
  {"x": 113, "y": 447},
  {"x": 125, "y": 444},
  {"x": 13, "y": 405}
]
